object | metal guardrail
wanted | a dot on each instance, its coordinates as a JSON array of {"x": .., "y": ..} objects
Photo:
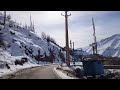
[
  {"x": 106, "y": 66},
  {"x": 112, "y": 66}
]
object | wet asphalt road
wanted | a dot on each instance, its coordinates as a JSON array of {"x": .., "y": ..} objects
[{"x": 44, "y": 72}]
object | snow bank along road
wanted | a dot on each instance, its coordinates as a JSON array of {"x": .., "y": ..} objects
[{"x": 42, "y": 72}]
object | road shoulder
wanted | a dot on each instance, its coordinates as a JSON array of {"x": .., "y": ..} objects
[{"x": 62, "y": 75}]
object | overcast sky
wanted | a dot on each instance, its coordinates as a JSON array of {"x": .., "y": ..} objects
[{"x": 80, "y": 24}]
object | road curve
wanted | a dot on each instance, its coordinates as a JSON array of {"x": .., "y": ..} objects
[{"x": 45, "y": 72}]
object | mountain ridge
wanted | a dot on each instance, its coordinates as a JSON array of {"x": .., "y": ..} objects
[{"x": 109, "y": 46}]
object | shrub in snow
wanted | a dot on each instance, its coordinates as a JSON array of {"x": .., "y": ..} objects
[
  {"x": 61, "y": 55},
  {"x": 1, "y": 23},
  {"x": 53, "y": 40},
  {"x": 13, "y": 40},
  {"x": 8, "y": 67},
  {"x": 2, "y": 64},
  {"x": 78, "y": 72},
  {"x": 48, "y": 38},
  {"x": 51, "y": 56},
  {"x": 24, "y": 59},
  {"x": 12, "y": 33},
  {"x": 39, "y": 58},
  {"x": 43, "y": 36},
  {"x": 8, "y": 17},
  {"x": 26, "y": 53},
  {"x": 32, "y": 56},
  {"x": 46, "y": 58},
  {"x": 10, "y": 25},
  {"x": 8, "y": 45},
  {"x": 29, "y": 35},
  {"x": 18, "y": 62},
  {"x": 21, "y": 62},
  {"x": 30, "y": 51},
  {"x": 1, "y": 41}
]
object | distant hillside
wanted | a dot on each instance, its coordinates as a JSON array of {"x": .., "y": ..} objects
[{"x": 108, "y": 47}]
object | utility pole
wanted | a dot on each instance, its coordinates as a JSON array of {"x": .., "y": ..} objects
[
  {"x": 94, "y": 35},
  {"x": 73, "y": 45},
  {"x": 4, "y": 18},
  {"x": 67, "y": 38},
  {"x": 70, "y": 44}
]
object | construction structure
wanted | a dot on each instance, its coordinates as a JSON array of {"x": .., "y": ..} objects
[
  {"x": 67, "y": 38},
  {"x": 93, "y": 66},
  {"x": 94, "y": 45}
]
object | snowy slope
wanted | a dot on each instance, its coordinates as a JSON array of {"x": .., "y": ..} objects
[
  {"x": 22, "y": 42},
  {"x": 107, "y": 47}
]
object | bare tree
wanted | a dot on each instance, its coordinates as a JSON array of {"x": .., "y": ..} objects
[
  {"x": 52, "y": 40},
  {"x": 1, "y": 40},
  {"x": 48, "y": 38},
  {"x": 43, "y": 36},
  {"x": 8, "y": 17},
  {"x": 4, "y": 18}
]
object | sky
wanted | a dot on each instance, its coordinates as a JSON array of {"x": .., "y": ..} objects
[{"x": 80, "y": 27}]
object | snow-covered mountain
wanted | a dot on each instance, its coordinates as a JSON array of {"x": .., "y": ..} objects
[
  {"x": 20, "y": 42},
  {"x": 107, "y": 47}
]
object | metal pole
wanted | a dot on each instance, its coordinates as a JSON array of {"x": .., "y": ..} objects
[{"x": 67, "y": 38}]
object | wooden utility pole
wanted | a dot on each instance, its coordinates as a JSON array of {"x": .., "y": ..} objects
[
  {"x": 94, "y": 35},
  {"x": 70, "y": 44},
  {"x": 73, "y": 45},
  {"x": 67, "y": 38},
  {"x": 4, "y": 18}
]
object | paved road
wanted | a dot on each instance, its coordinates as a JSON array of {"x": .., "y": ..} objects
[{"x": 45, "y": 72}]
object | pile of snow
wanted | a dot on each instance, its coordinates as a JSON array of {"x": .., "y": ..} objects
[
  {"x": 5, "y": 57},
  {"x": 107, "y": 47},
  {"x": 62, "y": 75},
  {"x": 72, "y": 66}
]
